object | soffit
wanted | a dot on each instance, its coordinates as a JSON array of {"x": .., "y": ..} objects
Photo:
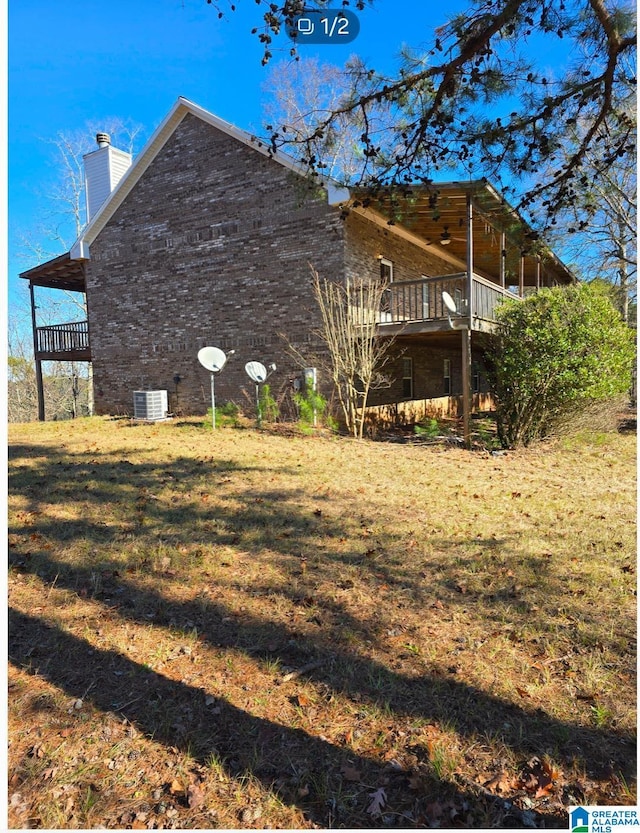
[
  {"x": 441, "y": 209},
  {"x": 59, "y": 273}
]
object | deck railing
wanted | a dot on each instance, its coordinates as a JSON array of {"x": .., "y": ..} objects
[
  {"x": 63, "y": 338},
  {"x": 407, "y": 302}
]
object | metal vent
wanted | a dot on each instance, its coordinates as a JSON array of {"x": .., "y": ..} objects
[{"x": 150, "y": 404}]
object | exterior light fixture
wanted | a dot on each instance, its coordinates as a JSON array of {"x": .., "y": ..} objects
[{"x": 445, "y": 237}]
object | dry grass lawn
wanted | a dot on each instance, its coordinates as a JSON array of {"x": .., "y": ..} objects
[{"x": 249, "y": 630}]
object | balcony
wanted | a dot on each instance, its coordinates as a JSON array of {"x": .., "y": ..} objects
[
  {"x": 416, "y": 306},
  {"x": 63, "y": 342}
]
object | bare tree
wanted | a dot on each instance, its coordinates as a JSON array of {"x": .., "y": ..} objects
[
  {"x": 64, "y": 213},
  {"x": 350, "y": 316},
  {"x": 302, "y": 93},
  {"x": 482, "y": 101},
  {"x": 64, "y": 387},
  {"x": 64, "y": 217},
  {"x": 598, "y": 232}
]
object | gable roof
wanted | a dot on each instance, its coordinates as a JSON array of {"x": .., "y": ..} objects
[
  {"x": 420, "y": 229},
  {"x": 160, "y": 137}
]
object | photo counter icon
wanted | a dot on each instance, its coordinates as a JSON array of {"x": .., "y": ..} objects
[{"x": 579, "y": 820}]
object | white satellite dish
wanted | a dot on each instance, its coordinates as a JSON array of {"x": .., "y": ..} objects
[
  {"x": 449, "y": 303},
  {"x": 212, "y": 358},
  {"x": 256, "y": 371}
]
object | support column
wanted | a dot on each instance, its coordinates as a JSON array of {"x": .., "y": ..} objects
[
  {"x": 470, "y": 309},
  {"x": 466, "y": 386},
  {"x": 521, "y": 278},
  {"x": 38, "y": 363},
  {"x": 503, "y": 259},
  {"x": 538, "y": 273},
  {"x": 466, "y": 333}
]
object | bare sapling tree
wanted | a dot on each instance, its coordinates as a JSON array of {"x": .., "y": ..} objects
[{"x": 350, "y": 316}]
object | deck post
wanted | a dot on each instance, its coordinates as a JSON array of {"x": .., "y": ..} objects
[
  {"x": 466, "y": 386},
  {"x": 466, "y": 333},
  {"x": 38, "y": 362}
]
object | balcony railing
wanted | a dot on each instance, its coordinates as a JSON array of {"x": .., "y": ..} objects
[
  {"x": 64, "y": 341},
  {"x": 410, "y": 304}
]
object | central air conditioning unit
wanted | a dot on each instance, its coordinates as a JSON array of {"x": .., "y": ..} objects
[{"x": 150, "y": 404}]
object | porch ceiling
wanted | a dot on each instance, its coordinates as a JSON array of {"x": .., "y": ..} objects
[
  {"x": 59, "y": 273},
  {"x": 428, "y": 212}
]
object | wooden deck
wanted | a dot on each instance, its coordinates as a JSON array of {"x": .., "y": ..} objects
[
  {"x": 64, "y": 342},
  {"x": 413, "y": 307}
]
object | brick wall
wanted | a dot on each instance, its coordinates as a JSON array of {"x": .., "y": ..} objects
[
  {"x": 428, "y": 354},
  {"x": 211, "y": 247}
]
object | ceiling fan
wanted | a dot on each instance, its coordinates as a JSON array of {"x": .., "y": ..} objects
[{"x": 446, "y": 238}]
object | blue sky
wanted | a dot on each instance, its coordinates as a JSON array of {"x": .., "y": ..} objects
[{"x": 79, "y": 61}]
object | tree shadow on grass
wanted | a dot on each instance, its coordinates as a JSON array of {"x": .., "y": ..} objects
[
  {"x": 306, "y": 771},
  {"x": 435, "y": 697},
  {"x": 251, "y": 517}
]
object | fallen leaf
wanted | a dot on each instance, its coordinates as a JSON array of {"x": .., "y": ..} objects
[
  {"x": 195, "y": 796},
  {"x": 378, "y": 800},
  {"x": 545, "y": 787},
  {"x": 538, "y": 777},
  {"x": 500, "y": 783},
  {"x": 350, "y": 773},
  {"x": 522, "y": 692},
  {"x": 176, "y": 788}
]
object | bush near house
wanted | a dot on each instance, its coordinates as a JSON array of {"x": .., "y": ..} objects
[{"x": 557, "y": 352}]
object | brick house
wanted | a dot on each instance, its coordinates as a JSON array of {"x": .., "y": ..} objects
[{"x": 207, "y": 239}]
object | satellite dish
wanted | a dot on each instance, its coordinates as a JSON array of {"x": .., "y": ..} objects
[
  {"x": 449, "y": 303},
  {"x": 212, "y": 358},
  {"x": 256, "y": 371}
]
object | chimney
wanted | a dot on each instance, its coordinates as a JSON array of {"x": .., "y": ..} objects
[{"x": 103, "y": 170}]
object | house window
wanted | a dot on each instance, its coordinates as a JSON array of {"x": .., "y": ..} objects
[
  {"x": 457, "y": 299},
  {"x": 386, "y": 271},
  {"x": 447, "y": 377},
  {"x": 475, "y": 377},
  {"x": 407, "y": 378},
  {"x": 386, "y": 278},
  {"x": 425, "y": 299}
]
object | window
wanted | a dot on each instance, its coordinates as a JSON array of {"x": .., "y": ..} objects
[
  {"x": 425, "y": 299},
  {"x": 475, "y": 377},
  {"x": 386, "y": 278},
  {"x": 407, "y": 378},
  {"x": 386, "y": 271},
  {"x": 447, "y": 377}
]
